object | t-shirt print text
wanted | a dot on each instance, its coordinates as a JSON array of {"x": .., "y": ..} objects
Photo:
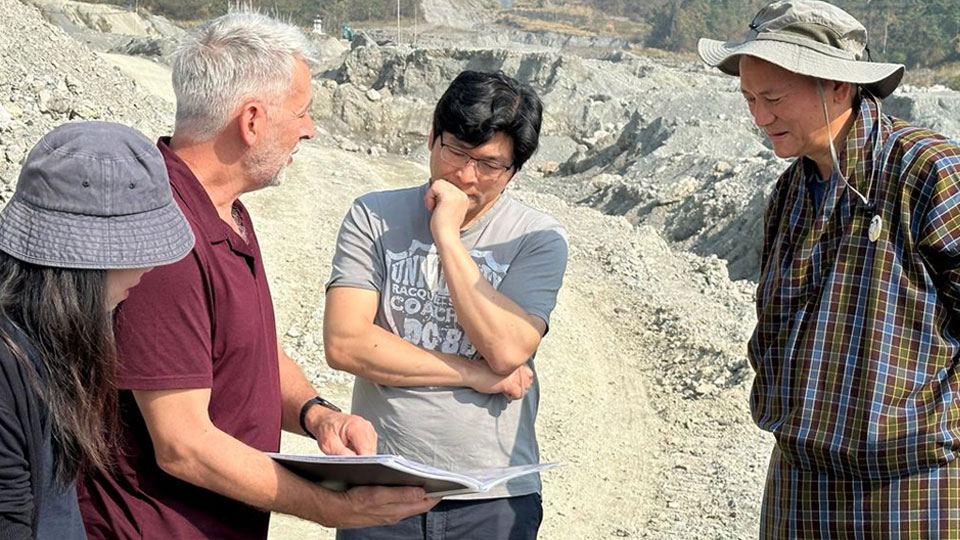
[{"x": 418, "y": 303}]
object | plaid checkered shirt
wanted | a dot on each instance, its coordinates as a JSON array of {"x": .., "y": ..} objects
[{"x": 857, "y": 341}]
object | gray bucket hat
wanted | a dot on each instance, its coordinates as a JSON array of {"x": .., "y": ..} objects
[
  {"x": 94, "y": 195},
  {"x": 810, "y": 38}
]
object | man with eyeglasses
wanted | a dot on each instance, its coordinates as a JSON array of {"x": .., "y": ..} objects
[{"x": 437, "y": 302}]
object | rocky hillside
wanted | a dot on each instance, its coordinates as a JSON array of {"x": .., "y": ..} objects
[
  {"x": 665, "y": 143},
  {"x": 47, "y": 78},
  {"x": 652, "y": 165},
  {"x": 105, "y": 18},
  {"x": 458, "y": 13}
]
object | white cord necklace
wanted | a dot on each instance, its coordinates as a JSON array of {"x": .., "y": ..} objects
[{"x": 876, "y": 223}]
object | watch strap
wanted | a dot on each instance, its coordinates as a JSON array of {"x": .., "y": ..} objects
[{"x": 306, "y": 407}]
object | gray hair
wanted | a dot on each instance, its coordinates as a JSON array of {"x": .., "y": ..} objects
[{"x": 235, "y": 57}]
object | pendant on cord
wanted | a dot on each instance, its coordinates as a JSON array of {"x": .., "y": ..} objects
[{"x": 876, "y": 225}]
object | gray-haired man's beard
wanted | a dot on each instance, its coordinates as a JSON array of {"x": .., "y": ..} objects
[
  {"x": 268, "y": 166},
  {"x": 277, "y": 177}
]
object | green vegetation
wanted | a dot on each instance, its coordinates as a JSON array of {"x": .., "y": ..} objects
[{"x": 918, "y": 33}]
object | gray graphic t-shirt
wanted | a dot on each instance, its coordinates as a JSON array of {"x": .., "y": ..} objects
[{"x": 385, "y": 245}]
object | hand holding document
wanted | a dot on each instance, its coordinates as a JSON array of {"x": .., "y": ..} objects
[{"x": 340, "y": 473}]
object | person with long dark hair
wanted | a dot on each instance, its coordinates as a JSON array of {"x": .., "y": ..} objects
[{"x": 92, "y": 213}]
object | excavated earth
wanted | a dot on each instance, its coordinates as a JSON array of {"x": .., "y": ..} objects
[{"x": 652, "y": 164}]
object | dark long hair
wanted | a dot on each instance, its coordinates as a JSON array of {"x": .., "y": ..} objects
[{"x": 63, "y": 314}]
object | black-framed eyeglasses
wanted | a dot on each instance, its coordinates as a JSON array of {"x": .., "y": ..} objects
[{"x": 486, "y": 169}]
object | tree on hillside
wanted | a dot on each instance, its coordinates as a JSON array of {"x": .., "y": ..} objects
[
  {"x": 678, "y": 24},
  {"x": 914, "y": 32}
]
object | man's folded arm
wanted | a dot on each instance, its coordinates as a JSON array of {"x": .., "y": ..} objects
[
  {"x": 505, "y": 332},
  {"x": 353, "y": 343}
]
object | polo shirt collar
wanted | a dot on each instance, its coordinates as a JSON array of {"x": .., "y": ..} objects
[{"x": 196, "y": 199}]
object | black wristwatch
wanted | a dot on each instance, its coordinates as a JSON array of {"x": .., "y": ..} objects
[{"x": 306, "y": 407}]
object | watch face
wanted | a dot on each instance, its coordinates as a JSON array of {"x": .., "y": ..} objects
[
  {"x": 319, "y": 401},
  {"x": 327, "y": 404},
  {"x": 306, "y": 407}
]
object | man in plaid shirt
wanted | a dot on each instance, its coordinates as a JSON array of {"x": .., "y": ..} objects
[{"x": 858, "y": 303}]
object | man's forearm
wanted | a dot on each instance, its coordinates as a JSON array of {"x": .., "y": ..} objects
[
  {"x": 385, "y": 358},
  {"x": 188, "y": 446},
  {"x": 495, "y": 324},
  {"x": 295, "y": 390},
  {"x": 218, "y": 462}
]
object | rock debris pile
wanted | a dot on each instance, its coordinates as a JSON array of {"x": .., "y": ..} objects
[
  {"x": 664, "y": 143},
  {"x": 47, "y": 78}
]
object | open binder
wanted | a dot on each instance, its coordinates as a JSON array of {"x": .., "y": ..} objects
[{"x": 340, "y": 473}]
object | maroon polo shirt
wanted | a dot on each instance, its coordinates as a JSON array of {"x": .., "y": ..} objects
[{"x": 204, "y": 322}]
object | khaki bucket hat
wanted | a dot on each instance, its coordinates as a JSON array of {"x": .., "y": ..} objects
[{"x": 810, "y": 38}]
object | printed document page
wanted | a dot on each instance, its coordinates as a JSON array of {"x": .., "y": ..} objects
[{"x": 343, "y": 472}]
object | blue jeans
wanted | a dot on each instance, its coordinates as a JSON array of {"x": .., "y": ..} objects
[{"x": 509, "y": 518}]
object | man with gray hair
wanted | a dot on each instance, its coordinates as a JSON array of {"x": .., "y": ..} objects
[
  {"x": 858, "y": 303},
  {"x": 205, "y": 386}
]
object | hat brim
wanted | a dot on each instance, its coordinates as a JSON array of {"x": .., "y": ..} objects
[
  {"x": 879, "y": 78},
  {"x": 60, "y": 239}
]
